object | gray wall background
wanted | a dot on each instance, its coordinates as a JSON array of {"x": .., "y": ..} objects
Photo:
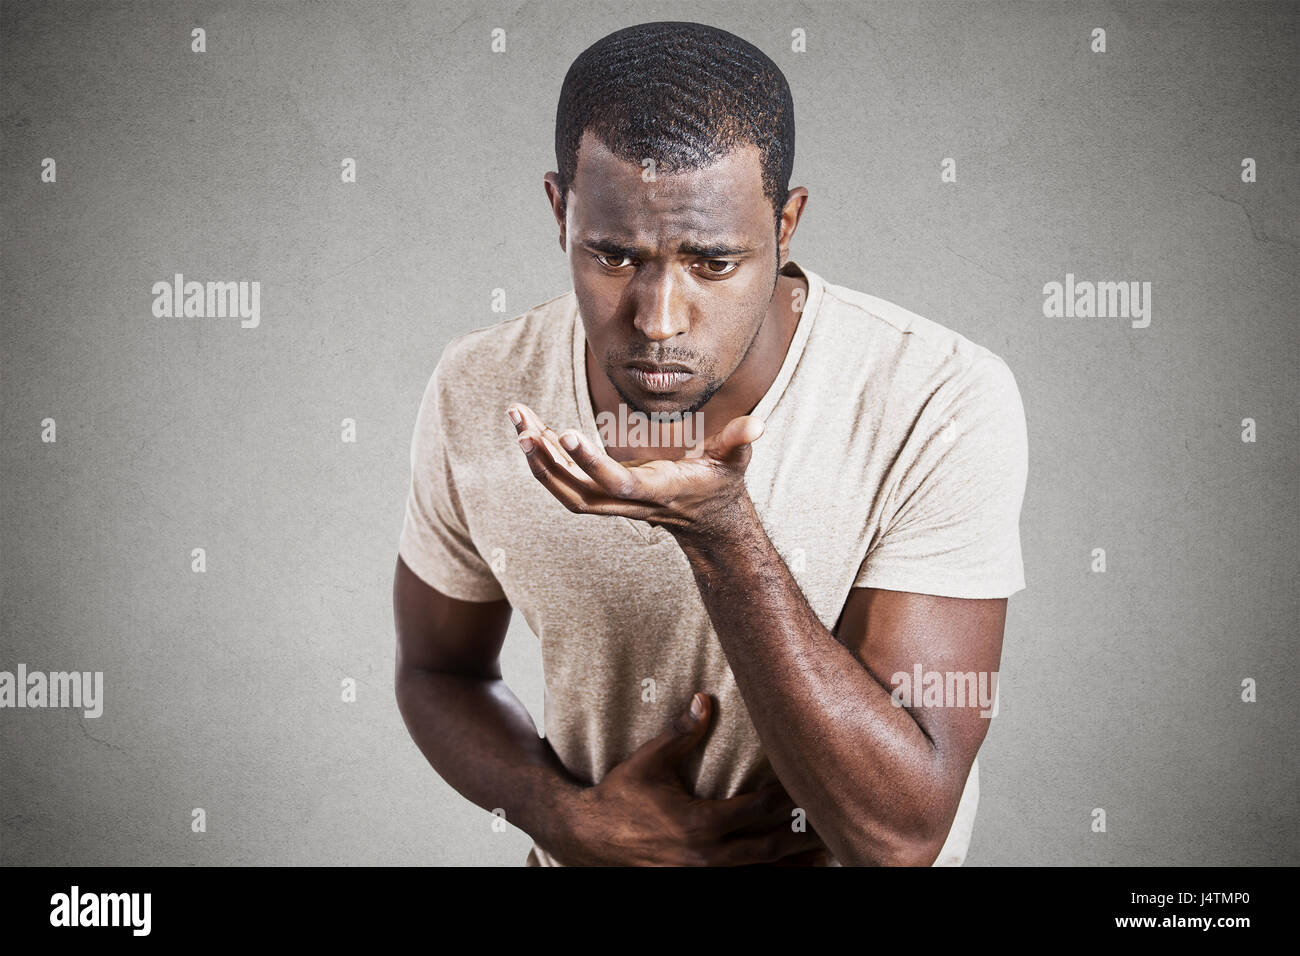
[{"x": 222, "y": 690}]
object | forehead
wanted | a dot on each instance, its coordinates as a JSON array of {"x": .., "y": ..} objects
[{"x": 723, "y": 199}]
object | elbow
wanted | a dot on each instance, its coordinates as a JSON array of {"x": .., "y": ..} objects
[
  {"x": 407, "y": 685},
  {"x": 401, "y": 680},
  {"x": 920, "y": 851},
  {"x": 906, "y": 824},
  {"x": 873, "y": 842},
  {"x": 916, "y": 851},
  {"x": 401, "y": 693}
]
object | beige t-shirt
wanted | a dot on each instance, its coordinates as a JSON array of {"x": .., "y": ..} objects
[{"x": 894, "y": 456}]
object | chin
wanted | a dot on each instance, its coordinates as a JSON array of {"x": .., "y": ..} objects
[
  {"x": 657, "y": 403},
  {"x": 662, "y": 405}
]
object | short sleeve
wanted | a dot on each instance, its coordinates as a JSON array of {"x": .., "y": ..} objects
[
  {"x": 435, "y": 542},
  {"x": 953, "y": 525}
]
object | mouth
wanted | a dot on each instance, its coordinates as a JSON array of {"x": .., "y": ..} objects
[{"x": 660, "y": 378}]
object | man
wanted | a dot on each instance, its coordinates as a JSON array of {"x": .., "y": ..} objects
[{"x": 725, "y": 623}]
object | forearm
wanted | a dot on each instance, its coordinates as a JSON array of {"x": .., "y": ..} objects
[
  {"x": 480, "y": 738},
  {"x": 864, "y": 771}
]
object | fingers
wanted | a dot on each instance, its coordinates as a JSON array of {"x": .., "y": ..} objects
[
  {"x": 552, "y": 466},
  {"x": 583, "y": 460},
  {"x": 775, "y": 845},
  {"x": 660, "y": 755},
  {"x": 759, "y": 808},
  {"x": 553, "y": 475},
  {"x": 529, "y": 425},
  {"x": 612, "y": 477},
  {"x": 818, "y": 857},
  {"x": 575, "y": 488}
]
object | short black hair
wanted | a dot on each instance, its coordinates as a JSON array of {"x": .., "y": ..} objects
[{"x": 683, "y": 94}]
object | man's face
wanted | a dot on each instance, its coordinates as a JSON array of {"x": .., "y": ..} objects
[{"x": 674, "y": 276}]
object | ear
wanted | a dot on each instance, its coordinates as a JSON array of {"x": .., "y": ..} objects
[
  {"x": 557, "y": 199},
  {"x": 795, "y": 201}
]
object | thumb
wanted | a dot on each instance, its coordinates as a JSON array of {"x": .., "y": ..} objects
[
  {"x": 661, "y": 753},
  {"x": 731, "y": 445}
]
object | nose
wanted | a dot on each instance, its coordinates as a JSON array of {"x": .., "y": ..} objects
[{"x": 661, "y": 309}]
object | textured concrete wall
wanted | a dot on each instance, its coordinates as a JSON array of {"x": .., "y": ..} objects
[{"x": 222, "y": 689}]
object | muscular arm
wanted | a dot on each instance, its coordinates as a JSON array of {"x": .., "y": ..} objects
[
  {"x": 469, "y": 725},
  {"x": 881, "y": 783}
]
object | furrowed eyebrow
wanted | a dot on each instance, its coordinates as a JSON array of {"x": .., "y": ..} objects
[
  {"x": 718, "y": 250},
  {"x": 612, "y": 247}
]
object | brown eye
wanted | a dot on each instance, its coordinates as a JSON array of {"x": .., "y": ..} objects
[
  {"x": 604, "y": 261},
  {"x": 727, "y": 267}
]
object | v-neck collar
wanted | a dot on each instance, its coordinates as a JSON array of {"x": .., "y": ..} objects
[{"x": 582, "y": 391}]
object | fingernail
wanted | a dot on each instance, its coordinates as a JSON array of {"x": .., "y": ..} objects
[
  {"x": 697, "y": 707},
  {"x": 569, "y": 441},
  {"x": 526, "y": 444},
  {"x": 514, "y": 415}
]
